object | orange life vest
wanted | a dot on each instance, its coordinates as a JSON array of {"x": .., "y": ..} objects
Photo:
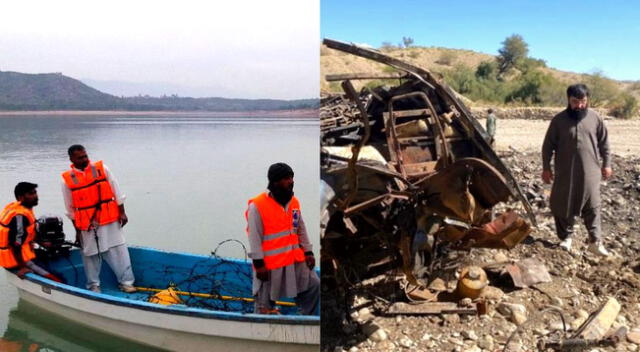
[
  {"x": 280, "y": 243},
  {"x": 92, "y": 198},
  {"x": 7, "y": 259}
]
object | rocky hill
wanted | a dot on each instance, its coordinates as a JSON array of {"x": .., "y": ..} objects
[
  {"x": 54, "y": 91},
  {"x": 437, "y": 60}
]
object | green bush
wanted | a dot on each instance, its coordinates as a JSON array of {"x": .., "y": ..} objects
[
  {"x": 487, "y": 70},
  {"x": 625, "y": 106},
  {"x": 603, "y": 91}
]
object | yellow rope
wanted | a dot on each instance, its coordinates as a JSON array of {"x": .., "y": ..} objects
[{"x": 207, "y": 295}]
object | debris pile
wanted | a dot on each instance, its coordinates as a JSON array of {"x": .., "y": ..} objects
[
  {"x": 580, "y": 285},
  {"x": 430, "y": 243}
]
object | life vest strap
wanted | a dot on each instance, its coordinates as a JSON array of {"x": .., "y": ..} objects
[
  {"x": 88, "y": 185},
  {"x": 97, "y": 204}
]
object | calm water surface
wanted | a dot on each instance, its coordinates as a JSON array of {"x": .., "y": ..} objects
[{"x": 187, "y": 181}]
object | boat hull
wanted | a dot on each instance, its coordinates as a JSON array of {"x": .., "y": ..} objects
[
  {"x": 168, "y": 331},
  {"x": 182, "y": 327}
]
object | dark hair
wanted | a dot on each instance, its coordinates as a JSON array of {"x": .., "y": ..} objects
[
  {"x": 579, "y": 91},
  {"x": 490, "y": 111},
  {"x": 23, "y": 188},
  {"x": 74, "y": 148}
]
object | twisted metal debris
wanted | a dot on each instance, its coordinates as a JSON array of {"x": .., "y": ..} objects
[{"x": 408, "y": 174}]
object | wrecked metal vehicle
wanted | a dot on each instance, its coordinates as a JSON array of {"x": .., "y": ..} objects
[{"x": 407, "y": 174}]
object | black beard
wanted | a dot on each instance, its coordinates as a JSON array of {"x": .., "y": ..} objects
[
  {"x": 281, "y": 195},
  {"x": 577, "y": 114}
]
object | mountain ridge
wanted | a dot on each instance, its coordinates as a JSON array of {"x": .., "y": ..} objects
[{"x": 55, "y": 91}]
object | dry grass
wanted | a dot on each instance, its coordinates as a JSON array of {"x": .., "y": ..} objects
[{"x": 333, "y": 62}]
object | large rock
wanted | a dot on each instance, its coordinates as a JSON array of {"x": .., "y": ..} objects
[
  {"x": 492, "y": 293},
  {"x": 517, "y": 313},
  {"x": 634, "y": 335},
  {"x": 486, "y": 342},
  {"x": 598, "y": 327}
]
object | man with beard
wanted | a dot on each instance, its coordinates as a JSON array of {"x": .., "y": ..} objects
[
  {"x": 17, "y": 232},
  {"x": 95, "y": 205},
  {"x": 578, "y": 141},
  {"x": 282, "y": 256}
]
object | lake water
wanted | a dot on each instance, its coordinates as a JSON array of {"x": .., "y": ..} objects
[{"x": 187, "y": 180}]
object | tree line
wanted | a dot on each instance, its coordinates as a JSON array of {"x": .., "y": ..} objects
[{"x": 514, "y": 78}]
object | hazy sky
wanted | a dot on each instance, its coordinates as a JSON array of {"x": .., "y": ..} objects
[
  {"x": 235, "y": 48},
  {"x": 578, "y": 36}
]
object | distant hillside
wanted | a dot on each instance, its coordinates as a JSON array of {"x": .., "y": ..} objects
[
  {"x": 174, "y": 103},
  {"x": 438, "y": 60},
  {"x": 54, "y": 91},
  {"x": 50, "y": 91}
]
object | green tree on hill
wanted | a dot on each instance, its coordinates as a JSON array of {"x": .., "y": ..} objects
[
  {"x": 407, "y": 41},
  {"x": 514, "y": 50}
]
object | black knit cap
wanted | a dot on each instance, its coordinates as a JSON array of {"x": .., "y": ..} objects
[{"x": 278, "y": 171}]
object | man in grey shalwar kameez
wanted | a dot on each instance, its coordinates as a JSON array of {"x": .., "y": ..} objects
[
  {"x": 578, "y": 141},
  {"x": 297, "y": 280}
]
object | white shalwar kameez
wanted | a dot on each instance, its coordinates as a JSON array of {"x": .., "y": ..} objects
[{"x": 106, "y": 243}]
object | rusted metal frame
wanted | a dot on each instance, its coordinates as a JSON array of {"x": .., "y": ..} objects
[
  {"x": 486, "y": 149},
  {"x": 377, "y": 170},
  {"x": 444, "y": 91},
  {"x": 417, "y": 72},
  {"x": 428, "y": 140},
  {"x": 445, "y": 147},
  {"x": 386, "y": 173},
  {"x": 406, "y": 113},
  {"x": 392, "y": 135},
  {"x": 363, "y": 76},
  {"x": 355, "y": 151},
  {"x": 430, "y": 308},
  {"x": 572, "y": 343},
  {"x": 375, "y": 200}
]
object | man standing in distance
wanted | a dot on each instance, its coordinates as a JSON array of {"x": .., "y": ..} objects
[
  {"x": 491, "y": 126},
  {"x": 95, "y": 205},
  {"x": 282, "y": 256},
  {"x": 578, "y": 141}
]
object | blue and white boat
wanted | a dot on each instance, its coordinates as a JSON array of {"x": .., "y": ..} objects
[{"x": 215, "y": 314}]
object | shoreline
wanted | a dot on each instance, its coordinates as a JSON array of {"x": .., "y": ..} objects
[{"x": 305, "y": 113}]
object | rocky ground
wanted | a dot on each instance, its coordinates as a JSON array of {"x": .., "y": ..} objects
[{"x": 580, "y": 283}]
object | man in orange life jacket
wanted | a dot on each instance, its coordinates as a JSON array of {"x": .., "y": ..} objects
[
  {"x": 282, "y": 256},
  {"x": 95, "y": 205},
  {"x": 17, "y": 232}
]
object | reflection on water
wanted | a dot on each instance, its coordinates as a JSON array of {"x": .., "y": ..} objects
[
  {"x": 32, "y": 329},
  {"x": 187, "y": 179}
]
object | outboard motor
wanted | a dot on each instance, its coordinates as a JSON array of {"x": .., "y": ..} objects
[{"x": 50, "y": 238}]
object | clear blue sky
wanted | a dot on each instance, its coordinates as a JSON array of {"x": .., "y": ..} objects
[{"x": 577, "y": 36}]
